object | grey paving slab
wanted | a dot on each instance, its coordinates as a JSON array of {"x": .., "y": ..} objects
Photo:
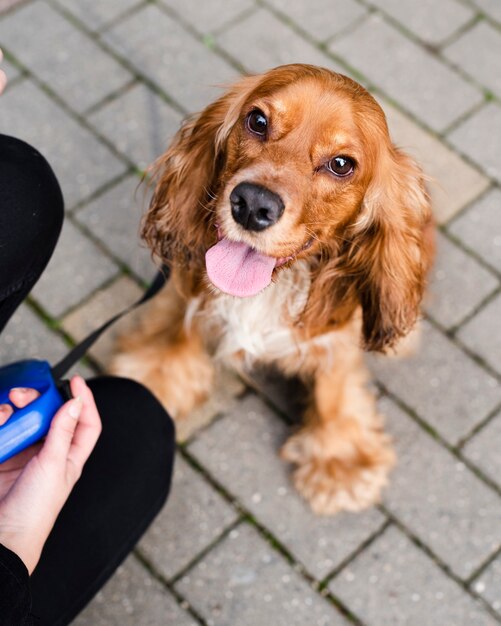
[
  {"x": 492, "y": 8},
  {"x": 408, "y": 73},
  {"x": 76, "y": 269},
  {"x": 262, "y": 41},
  {"x": 442, "y": 384},
  {"x": 458, "y": 283},
  {"x": 488, "y": 584},
  {"x": 96, "y": 15},
  {"x": 60, "y": 55},
  {"x": 477, "y": 138},
  {"x": 240, "y": 451},
  {"x": 437, "y": 496},
  {"x": 324, "y": 18},
  {"x": 207, "y": 17},
  {"x": 161, "y": 49},
  {"x": 480, "y": 228},
  {"x": 133, "y": 597},
  {"x": 10, "y": 70},
  {"x": 452, "y": 182},
  {"x": 448, "y": 17},
  {"x": 139, "y": 124},
  {"x": 483, "y": 449},
  {"x": 482, "y": 333},
  {"x": 194, "y": 517},
  {"x": 484, "y": 65},
  {"x": 244, "y": 582},
  {"x": 82, "y": 164},
  {"x": 393, "y": 582},
  {"x": 27, "y": 337},
  {"x": 114, "y": 218}
]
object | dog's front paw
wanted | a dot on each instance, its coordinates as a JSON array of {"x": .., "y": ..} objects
[{"x": 339, "y": 475}]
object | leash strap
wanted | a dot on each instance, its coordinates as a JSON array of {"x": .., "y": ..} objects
[{"x": 60, "y": 369}]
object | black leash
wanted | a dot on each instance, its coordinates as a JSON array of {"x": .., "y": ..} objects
[{"x": 60, "y": 369}]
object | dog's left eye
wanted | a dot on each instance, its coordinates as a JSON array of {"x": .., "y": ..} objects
[
  {"x": 341, "y": 166},
  {"x": 257, "y": 123}
]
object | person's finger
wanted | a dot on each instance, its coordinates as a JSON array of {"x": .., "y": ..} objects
[
  {"x": 89, "y": 425},
  {"x": 21, "y": 459},
  {"x": 5, "y": 412},
  {"x": 61, "y": 431},
  {"x": 21, "y": 396}
]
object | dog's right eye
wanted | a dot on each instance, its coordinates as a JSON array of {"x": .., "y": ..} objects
[{"x": 257, "y": 123}]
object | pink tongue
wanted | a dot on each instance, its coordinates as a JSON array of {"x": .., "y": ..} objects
[{"x": 238, "y": 269}]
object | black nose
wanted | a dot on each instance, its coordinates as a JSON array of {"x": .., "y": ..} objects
[{"x": 255, "y": 207}]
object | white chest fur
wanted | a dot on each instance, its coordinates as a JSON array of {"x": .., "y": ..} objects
[{"x": 259, "y": 326}]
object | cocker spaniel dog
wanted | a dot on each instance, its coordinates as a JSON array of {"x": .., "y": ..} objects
[{"x": 299, "y": 236}]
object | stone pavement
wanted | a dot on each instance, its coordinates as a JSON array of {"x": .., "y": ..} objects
[{"x": 99, "y": 87}]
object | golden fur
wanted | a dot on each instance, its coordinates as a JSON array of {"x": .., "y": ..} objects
[{"x": 360, "y": 248}]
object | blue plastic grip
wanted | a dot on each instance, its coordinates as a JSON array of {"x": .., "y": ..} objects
[{"x": 31, "y": 423}]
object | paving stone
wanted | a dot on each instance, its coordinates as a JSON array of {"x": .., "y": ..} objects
[
  {"x": 488, "y": 584},
  {"x": 207, "y": 17},
  {"x": 139, "y": 124},
  {"x": 328, "y": 18},
  {"x": 95, "y": 15},
  {"x": 194, "y": 517},
  {"x": 133, "y": 597},
  {"x": 481, "y": 334},
  {"x": 393, "y": 582},
  {"x": 162, "y": 50},
  {"x": 442, "y": 384},
  {"x": 81, "y": 163},
  {"x": 10, "y": 70},
  {"x": 458, "y": 284},
  {"x": 114, "y": 218},
  {"x": 61, "y": 56},
  {"x": 437, "y": 496},
  {"x": 484, "y": 65},
  {"x": 452, "y": 182},
  {"x": 483, "y": 449},
  {"x": 228, "y": 387},
  {"x": 76, "y": 269},
  {"x": 27, "y": 337},
  {"x": 262, "y": 41},
  {"x": 98, "y": 309},
  {"x": 240, "y": 451},
  {"x": 477, "y": 138},
  {"x": 492, "y": 8},
  {"x": 480, "y": 228},
  {"x": 406, "y": 72},
  {"x": 244, "y": 582},
  {"x": 448, "y": 16}
]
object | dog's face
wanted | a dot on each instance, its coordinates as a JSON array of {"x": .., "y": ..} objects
[
  {"x": 297, "y": 163},
  {"x": 297, "y": 167}
]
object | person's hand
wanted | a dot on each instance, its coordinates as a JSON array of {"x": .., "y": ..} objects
[
  {"x": 35, "y": 484},
  {"x": 3, "y": 77}
]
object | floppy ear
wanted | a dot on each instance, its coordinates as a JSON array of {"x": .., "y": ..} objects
[
  {"x": 380, "y": 260},
  {"x": 391, "y": 250},
  {"x": 186, "y": 177}
]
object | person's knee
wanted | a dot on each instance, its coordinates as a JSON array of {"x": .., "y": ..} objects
[
  {"x": 32, "y": 202},
  {"x": 136, "y": 424}
]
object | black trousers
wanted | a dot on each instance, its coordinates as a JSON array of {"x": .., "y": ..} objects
[{"x": 127, "y": 478}]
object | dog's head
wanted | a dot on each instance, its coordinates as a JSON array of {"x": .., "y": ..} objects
[{"x": 297, "y": 163}]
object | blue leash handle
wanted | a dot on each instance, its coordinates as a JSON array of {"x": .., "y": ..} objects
[{"x": 31, "y": 423}]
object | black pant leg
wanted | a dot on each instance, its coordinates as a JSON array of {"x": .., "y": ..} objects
[
  {"x": 31, "y": 216},
  {"x": 123, "y": 486}
]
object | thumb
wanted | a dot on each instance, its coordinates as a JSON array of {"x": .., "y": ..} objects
[{"x": 62, "y": 429}]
